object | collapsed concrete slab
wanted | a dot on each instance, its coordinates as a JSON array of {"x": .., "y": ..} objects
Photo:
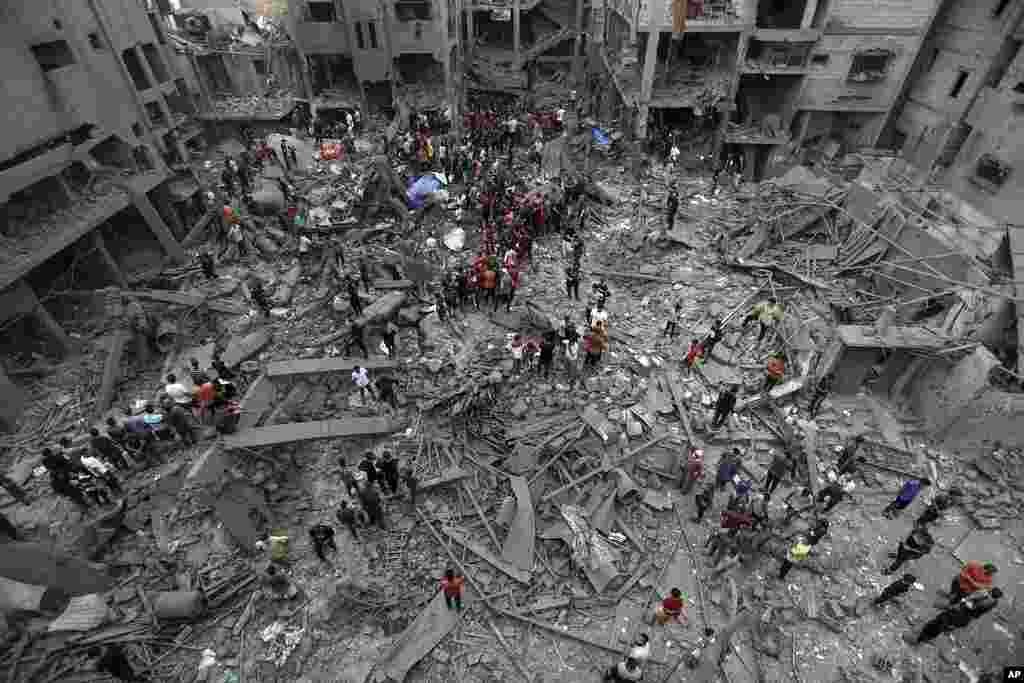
[
  {"x": 519, "y": 544},
  {"x": 283, "y": 369},
  {"x": 432, "y": 626},
  {"x": 240, "y": 349},
  {"x": 39, "y": 565},
  {"x": 307, "y": 431}
]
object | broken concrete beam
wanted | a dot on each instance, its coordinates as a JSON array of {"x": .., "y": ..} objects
[
  {"x": 381, "y": 310},
  {"x": 430, "y": 627},
  {"x": 674, "y": 383},
  {"x": 599, "y": 423},
  {"x": 192, "y": 301},
  {"x": 256, "y": 402},
  {"x": 777, "y": 393},
  {"x": 519, "y": 543},
  {"x": 308, "y": 431},
  {"x": 286, "y": 287},
  {"x": 239, "y": 350},
  {"x": 111, "y": 372},
  {"x": 505, "y": 567},
  {"x": 282, "y": 369},
  {"x": 393, "y": 284},
  {"x": 448, "y": 476}
]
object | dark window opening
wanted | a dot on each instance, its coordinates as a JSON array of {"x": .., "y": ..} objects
[
  {"x": 992, "y": 171},
  {"x": 373, "y": 35},
  {"x": 359, "y": 36},
  {"x": 53, "y": 55},
  {"x": 321, "y": 12},
  {"x": 821, "y": 59},
  {"x": 260, "y": 65},
  {"x": 156, "y": 64},
  {"x": 95, "y": 42},
  {"x": 76, "y": 177},
  {"x": 869, "y": 66},
  {"x": 134, "y": 66},
  {"x": 1000, "y": 8},
  {"x": 958, "y": 84},
  {"x": 413, "y": 10}
]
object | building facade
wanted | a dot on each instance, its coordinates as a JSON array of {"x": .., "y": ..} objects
[
  {"x": 92, "y": 116},
  {"x": 764, "y": 78}
]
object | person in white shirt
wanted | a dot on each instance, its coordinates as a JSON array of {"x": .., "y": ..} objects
[
  {"x": 674, "y": 155},
  {"x": 560, "y": 116},
  {"x": 361, "y": 378},
  {"x": 641, "y": 650},
  {"x": 349, "y": 120},
  {"x": 572, "y": 359},
  {"x": 177, "y": 391},
  {"x": 305, "y": 244}
]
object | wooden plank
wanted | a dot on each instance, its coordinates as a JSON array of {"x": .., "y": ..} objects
[
  {"x": 431, "y": 626},
  {"x": 111, "y": 373},
  {"x": 314, "y": 366},
  {"x": 306, "y": 431},
  {"x": 519, "y": 543},
  {"x": 490, "y": 558},
  {"x": 256, "y": 402},
  {"x": 192, "y": 301}
]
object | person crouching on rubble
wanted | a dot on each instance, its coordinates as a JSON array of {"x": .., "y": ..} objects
[{"x": 671, "y": 609}]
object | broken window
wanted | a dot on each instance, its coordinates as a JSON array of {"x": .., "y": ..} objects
[
  {"x": 134, "y": 66},
  {"x": 870, "y": 66},
  {"x": 53, "y": 55},
  {"x": 413, "y": 10},
  {"x": 359, "y": 36},
  {"x": 958, "y": 84},
  {"x": 991, "y": 171},
  {"x": 321, "y": 12},
  {"x": 373, "y": 34}
]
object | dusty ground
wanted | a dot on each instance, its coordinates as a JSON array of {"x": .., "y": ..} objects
[{"x": 354, "y": 608}]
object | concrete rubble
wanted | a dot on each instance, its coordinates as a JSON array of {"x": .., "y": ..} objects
[{"x": 558, "y": 497}]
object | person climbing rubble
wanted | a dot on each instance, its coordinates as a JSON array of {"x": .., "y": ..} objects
[
  {"x": 451, "y": 586},
  {"x": 671, "y": 608},
  {"x": 895, "y": 589},
  {"x": 974, "y": 577},
  {"x": 322, "y": 537},
  {"x": 724, "y": 405},
  {"x": 906, "y": 496},
  {"x": 347, "y": 516},
  {"x": 918, "y": 544}
]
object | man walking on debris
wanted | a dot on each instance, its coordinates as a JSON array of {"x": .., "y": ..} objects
[
  {"x": 895, "y": 589},
  {"x": 353, "y": 296},
  {"x": 672, "y": 206},
  {"x": 821, "y": 392},
  {"x": 672, "y": 324},
  {"x": 703, "y": 500},
  {"x": 355, "y": 338},
  {"x": 386, "y": 392},
  {"x": 795, "y": 555},
  {"x": 322, "y": 537},
  {"x": 728, "y": 466},
  {"x": 106, "y": 448},
  {"x": 724, "y": 406},
  {"x": 370, "y": 499},
  {"x": 411, "y": 482},
  {"x": 959, "y": 615},
  {"x": 782, "y": 464},
  {"x": 361, "y": 379},
  {"x": 347, "y": 516},
  {"x": 367, "y": 465},
  {"x": 834, "y": 493},
  {"x": 918, "y": 544},
  {"x": 774, "y": 371},
  {"x": 389, "y": 471}
]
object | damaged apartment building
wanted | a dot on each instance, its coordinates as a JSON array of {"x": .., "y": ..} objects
[
  {"x": 93, "y": 154},
  {"x": 763, "y": 82}
]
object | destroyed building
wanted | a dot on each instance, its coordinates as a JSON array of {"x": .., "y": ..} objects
[{"x": 856, "y": 291}]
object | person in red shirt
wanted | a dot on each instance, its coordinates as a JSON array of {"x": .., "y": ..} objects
[
  {"x": 489, "y": 284},
  {"x": 451, "y": 584},
  {"x": 670, "y": 608},
  {"x": 775, "y": 371},
  {"x": 694, "y": 355},
  {"x": 974, "y": 577}
]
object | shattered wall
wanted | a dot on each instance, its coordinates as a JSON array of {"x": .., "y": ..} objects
[
  {"x": 831, "y": 85},
  {"x": 992, "y": 416},
  {"x": 941, "y": 390},
  {"x": 883, "y": 15}
]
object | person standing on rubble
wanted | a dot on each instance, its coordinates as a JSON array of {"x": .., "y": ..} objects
[
  {"x": 322, "y": 537},
  {"x": 797, "y": 554},
  {"x": 703, "y": 500},
  {"x": 782, "y": 464},
  {"x": 61, "y": 480},
  {"x": 361, "y": 380},
  {"x": 572, "y": 280},
  {"x": 724, "y": 406},
  {"x": 906, "y": 496},
  {"x": 918, "y": 544},
  {"x": 389, "y": 471},
  {"x": 105, "y": 447},
  {"x": 285, "y": 156},
  {"x": 227, "y": 177},
  {"x": 728, "y": 466},
  {"x": 774, "y": 371},
  {"x": 821, "y": 391},
  {"x": 671, "y": 207},
  {"x": 355, "y": 338},
  {"x": 352, "y": 288},
  {"x": 347, "y": 516},
  {"x": 452, "y": 585},
  {"x": 370, "y": 499},
  {"x": 834, "y": 493}
]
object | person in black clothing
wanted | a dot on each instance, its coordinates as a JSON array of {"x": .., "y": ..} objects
[
  {"x": 959, "y": 615},
  {"x": 222, "y": 370},
  {"x": 259, "y": 297},
  {"x": 347, "y": 516},
  {"x": 412, "y": 483},
  {"x": 227, "y": 177},
  {"x": 207, "y": 264},
  {"x": 371, "y": 504},
  {"x": 703, "y": 499},
  {"x": 367, "y": 465},
  {"x": 112, "y": 660},
  {"x": 918, "y": 544},
  {"x": 353, "y": 296},
  {"x": 895, "y": 589},
  {"x": 572, "y": 281},
  {"x": 547, "y": 354},
  {"x": 386, "y": 392},
  {"x": 62, "y": 484},
  {"x": 724, "y": 405},
  {"x": 672, "y": 324},
  {"x": 781, "y": 465},
  {"x": 244, "y": 178},
  {"x": 821, "y": 391},
  {"x": 712, "y": 338},
  {"x": 849, "y": 459},
  {"x": 934, "y": 510},
  {"x": 817, "y": 532},
  {"x": 671, "y": 206},
  {"x": 104, "y": 447},
  {"x": 832, "y": 495},
  {"x": 323, "y": 539},
  {"x": 355, "y": 338},
  {"x": 364, "y": 275},
  {"x": 389, "y": 471}
]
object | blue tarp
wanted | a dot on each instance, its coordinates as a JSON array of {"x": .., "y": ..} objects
[
  {"x": 600, "y": 137},
  {"x": 420, "y": 187}
]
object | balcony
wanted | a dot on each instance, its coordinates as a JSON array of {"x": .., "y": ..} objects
[
  {"x": 709, "y": 16},
  {"x": 777, "y": 58},
  {"x": 765, "y": 132},
  {"x": 34, "y": 169}
]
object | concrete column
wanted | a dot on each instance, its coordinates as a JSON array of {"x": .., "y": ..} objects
[
  {"x": 577, "y": 65},
  {"x": 165, "y": 206},
  {"x": 174, "y": 251},
  {"x": 750, "y": 162},
  {"x": 647, "y": 83},
  {"x": 515, "y": 31},
  {"x": 151, "y": 77},
  {"x": 108, "y": 261},
  {"x": 809, "y": 9}
]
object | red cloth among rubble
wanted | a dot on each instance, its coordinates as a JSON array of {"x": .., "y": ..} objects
[
  {"x": 672, "y": 606},
  {"x": 453, "y": 587},
  {"x": 331, "y": 150},
  {"x": 776, "y": 368}
]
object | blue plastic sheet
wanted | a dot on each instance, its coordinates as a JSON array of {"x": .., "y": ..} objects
[
  {"x": 420, "y": 187},
  {"x": 600, "y": 137}
]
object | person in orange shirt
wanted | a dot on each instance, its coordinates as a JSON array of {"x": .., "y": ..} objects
[
  {"x": 452, "y": 584},
  {"x": 974, "y": 577},
  {"x": 489, "y": 284},
  {"x": 204, "y": 396},
  {"x": 775, "y": 371}
]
